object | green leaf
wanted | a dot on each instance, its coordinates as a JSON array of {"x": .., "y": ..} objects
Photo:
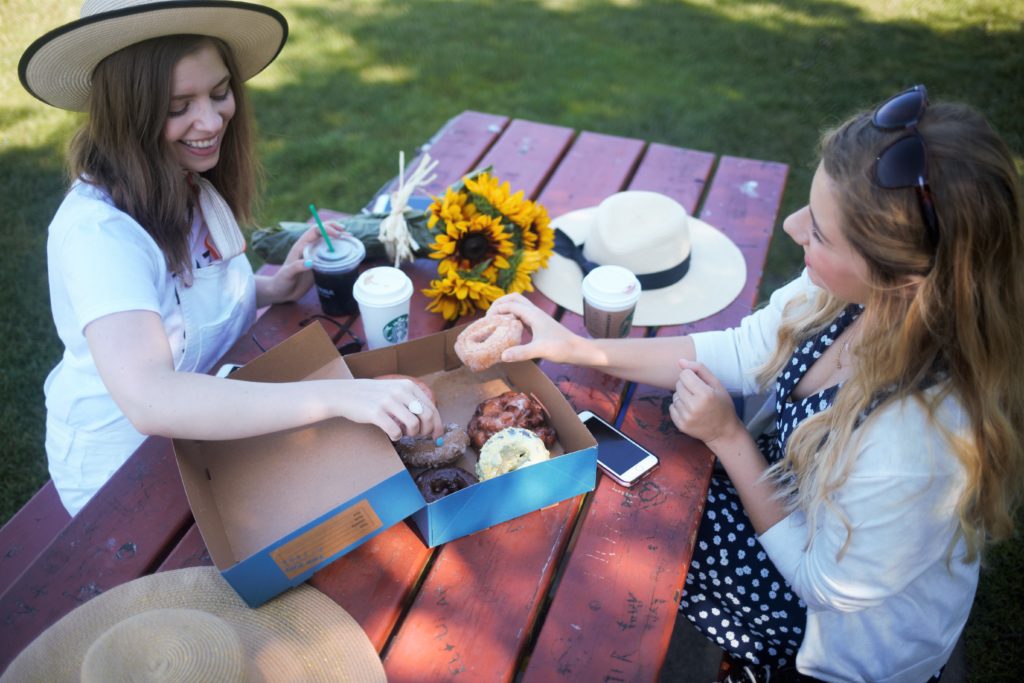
[{"x": 507, "y": 275}]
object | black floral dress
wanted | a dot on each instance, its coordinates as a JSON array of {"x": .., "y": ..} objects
[{"x": 734, "y": 594}]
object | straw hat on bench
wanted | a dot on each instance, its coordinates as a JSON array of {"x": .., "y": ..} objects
[{"x": 189, "y": 625}]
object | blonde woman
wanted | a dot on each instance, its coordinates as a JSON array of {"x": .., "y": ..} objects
[{"x": 844, "y": 544}]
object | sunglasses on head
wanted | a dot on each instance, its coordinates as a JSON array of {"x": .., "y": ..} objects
[{"x": 904, "y": 162}]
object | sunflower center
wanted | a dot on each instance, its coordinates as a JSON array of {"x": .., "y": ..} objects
[{"x": 474, "y": 247}]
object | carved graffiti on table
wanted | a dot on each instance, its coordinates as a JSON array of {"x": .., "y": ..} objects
[
  {"x": 448, "y": 649},
  {"x": 644, "y": 496}
]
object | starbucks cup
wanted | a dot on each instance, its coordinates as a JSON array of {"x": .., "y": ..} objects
[
  {"x": 335, "y": 272},
  {"x": 610, "y": 294},
  {"x": 383, "y": 294}
]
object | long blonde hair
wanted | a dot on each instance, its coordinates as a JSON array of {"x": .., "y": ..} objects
[{"x": 957, "y": 329}]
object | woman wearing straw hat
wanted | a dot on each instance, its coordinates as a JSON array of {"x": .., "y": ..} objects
[
  {"x": 149, "y": 285},
  {"x": 844, "y": 543}
]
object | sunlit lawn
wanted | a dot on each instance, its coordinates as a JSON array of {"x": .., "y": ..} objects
[{"x": 359, "y": 81}]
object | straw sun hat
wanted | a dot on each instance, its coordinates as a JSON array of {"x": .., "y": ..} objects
[
  {"x": 57, "y": 68},
  {"x": 189, "y": 625},
  {"x": 687, "y": 269}
]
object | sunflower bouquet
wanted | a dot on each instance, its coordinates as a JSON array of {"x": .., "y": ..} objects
[{"x": 488, "y": 242}]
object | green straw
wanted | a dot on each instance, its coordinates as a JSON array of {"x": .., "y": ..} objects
[{"x": 323, "y": 230}]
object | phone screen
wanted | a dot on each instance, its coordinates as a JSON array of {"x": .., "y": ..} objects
[{"x": 614, "y": 450}]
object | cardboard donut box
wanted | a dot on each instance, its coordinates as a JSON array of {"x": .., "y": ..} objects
[{"x": 276, "y": 508}]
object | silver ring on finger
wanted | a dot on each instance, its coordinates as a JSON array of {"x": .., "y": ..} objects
[{"x": 415, "y": 407}]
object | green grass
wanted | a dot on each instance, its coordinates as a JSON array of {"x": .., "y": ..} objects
[{"x": 362, "y": 79}]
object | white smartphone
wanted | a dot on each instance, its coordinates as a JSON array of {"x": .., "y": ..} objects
[{"x": 618, "y": 456}]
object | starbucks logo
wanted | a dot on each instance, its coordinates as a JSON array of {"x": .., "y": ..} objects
[
  {"x": 397, "y": 330},
  {"x": 627, "y": 323}
]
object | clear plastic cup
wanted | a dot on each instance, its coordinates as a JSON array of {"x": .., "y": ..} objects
[
  {"x": 335, "y": 272},
  {"x": 383, "y": 294}
]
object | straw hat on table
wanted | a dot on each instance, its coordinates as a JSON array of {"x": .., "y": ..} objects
[
  {"x": 57, "y": 68},
  {"x": 687, "y": 269},
  {"x": 188, "y": 625}
]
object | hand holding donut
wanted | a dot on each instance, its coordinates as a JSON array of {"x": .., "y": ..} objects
[
  {"x": 481, "y": 344},
  {"x": 550, "y": 341}
]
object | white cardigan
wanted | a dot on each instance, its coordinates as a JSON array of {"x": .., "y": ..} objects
[{"x": 891, "y": 610}]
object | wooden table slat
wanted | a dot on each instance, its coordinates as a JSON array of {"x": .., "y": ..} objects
[
  {"x": 189, "y": 552},
  {"x": 471, "y": 614},
  {"x": 376, "y": 581},
  {"x": 596, "y": 166},
  {"x": 457, "y": 147},
  {"x": 29, "y": 531},
  {"x": 676, "y": 172},
  {"x": 527, "y": 153},
  {"x": 120, "y": 535}
]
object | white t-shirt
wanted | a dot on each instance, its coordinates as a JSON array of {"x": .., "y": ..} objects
[
  {"x": 891, "y": 610},
  {"x": 101, "y": 261}
]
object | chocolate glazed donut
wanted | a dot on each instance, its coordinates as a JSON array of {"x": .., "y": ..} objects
[
  {"x": 510, "y": 409},
  {"x": 438, "y": 483},
  {"x": 423, "y": 451}
]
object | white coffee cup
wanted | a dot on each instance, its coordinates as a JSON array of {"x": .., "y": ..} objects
[
  {"x": 610, "y": 294},
  {"x": 383, "y": 295}
]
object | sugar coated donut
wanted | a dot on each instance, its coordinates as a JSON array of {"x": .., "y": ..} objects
[
  {"x": 415, "y": 380},
  {"x": 510, "y": 449},
  {"x": 438, "y": 483},
  {"x": 510, "y": 409},
  {"x": 424, "y": 451},
  {"x": 479, "y": 346}
]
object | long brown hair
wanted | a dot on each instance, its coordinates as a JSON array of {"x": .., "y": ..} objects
[
  {"x": 121, "y": 147},
  {"x": 941, "y": 321}
]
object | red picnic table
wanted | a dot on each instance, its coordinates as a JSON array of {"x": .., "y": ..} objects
[{"x": 585, "y": 590}]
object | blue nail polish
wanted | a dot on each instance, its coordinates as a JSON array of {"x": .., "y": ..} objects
[
  {"x": 440, "y": 441},
  {"x": 308, "y": 263}
]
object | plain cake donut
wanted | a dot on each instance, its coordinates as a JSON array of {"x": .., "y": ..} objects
[{"x": 479, "y": 346}]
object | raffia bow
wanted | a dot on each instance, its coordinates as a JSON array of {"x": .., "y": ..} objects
[{"x": 394, "y": 233}]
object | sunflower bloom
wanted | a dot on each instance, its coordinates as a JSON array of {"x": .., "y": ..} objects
[
  {"x": 487, "y": 241},
  {"x": 453, "y": 296},
  {"x": 450, "y": 209},
  {"x": 521, "y": 276},
  {"x": 466, "y": 244}
]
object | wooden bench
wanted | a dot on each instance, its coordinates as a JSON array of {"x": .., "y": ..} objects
[{"x": 29, "y": 531}]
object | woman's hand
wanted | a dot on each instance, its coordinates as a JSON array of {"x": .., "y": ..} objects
[
  {"x": 550, "y": 340},
  {"x": 702, "y": 408},
  {"x": 295, "y": 276},
  {"x": 390, "y": 404}
]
